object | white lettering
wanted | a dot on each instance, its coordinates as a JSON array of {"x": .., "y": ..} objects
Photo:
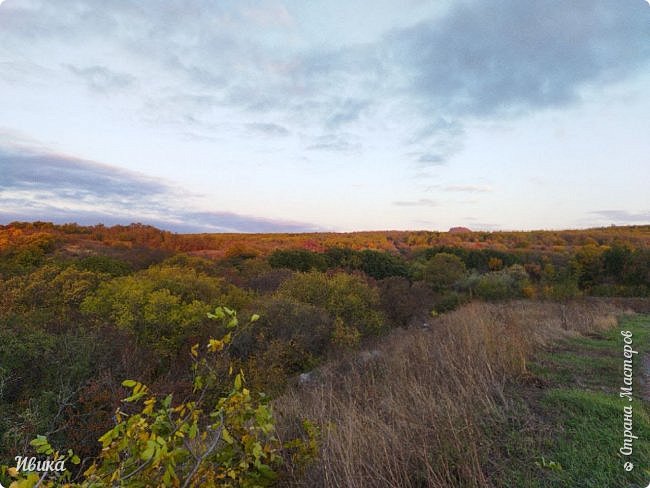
[{"x": 33, "y": 464}]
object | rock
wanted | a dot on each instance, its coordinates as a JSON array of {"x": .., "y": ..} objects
[
  {"x": 305, "y": 378},
  {"x": 369, "y": 355}
]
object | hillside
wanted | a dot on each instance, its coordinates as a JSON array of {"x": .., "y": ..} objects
[{"x": 364, "y": 359}]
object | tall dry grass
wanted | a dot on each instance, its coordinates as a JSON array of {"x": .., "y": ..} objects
[{"x": 414, "y": 413}]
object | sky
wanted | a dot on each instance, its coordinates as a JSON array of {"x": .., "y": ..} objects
[{"x": 304, "y": 115}]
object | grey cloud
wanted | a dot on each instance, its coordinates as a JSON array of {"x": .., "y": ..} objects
[
  {"x": 102, "y": 79},
  {"x": 430, "y": 159},
  {"x": 193, "y": 222},
  {"x": 346, "y": 112},
  {"x": 203, "y": 76},
  {"x": 486, "y": 58},
  {"x": 333, "y": 142},
  {"x": 441, "y": 126},
  {"x": 319, "y": 67},
  {"x": 188, "y": 113},
  {"x": 43, "y": 20},
  {"x": 481, "y": 59},
  {"x": 253, "y": 99},
  {"x": 226, "y": 221},
  {"x": 41, "y": 186},
  {"x": 28, "y": 170},
  {"x": 439, "y": 142},
  {"x": 503, "y": 58},
  {"x": 268, "y": 129}
]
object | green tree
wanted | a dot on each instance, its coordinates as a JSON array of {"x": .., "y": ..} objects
[
  {"x": 298, "y": 260},
  {"x": 443, "y": 270},
  {"x": 381, "y": 265},
  {"x": 587, "y": 265}
]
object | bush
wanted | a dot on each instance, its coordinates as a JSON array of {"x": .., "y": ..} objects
[
  {"x": 402, "y": 301},
  {"x": 448, "y": 302},
  {"x": 443, "y": 270},
  {"x": 381, "y": 265},
  {"x": 289, "y": 338},
  {"x": 229, "y": 441},
  {"x": 287, "y": 319},
  {"x": 268, "y": 281},
  {"x": 376, "y": 264},
  {"x": 298, "y": 260},
  {"x": 162, "y": 306},
  {"x": 507, "y": 283},
  {"x": 48, "y": 297},
  {"x": 105, "y": 264},
  {"x": 344, "y": 296}
]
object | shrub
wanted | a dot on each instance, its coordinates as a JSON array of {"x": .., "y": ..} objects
[
  {"x": 511, "y": 282},
  {"x": 448, "y": 301},
  {"x": 401, "y": 301},
  {"x": 344, "y": 296},
  {"x": 381, "y": 265},
  {"x": 268, "y": 281},
  {"x": 377, "y": 264},
  {"x": 298, "y": 260},
  {"x": 286, "y": 319},
  {"x": 289, "y": 338},
  {"x": 230, "y": 441},
  {"x": 443, "y": 270},
  {"x": 162, "y": 306},
  {"x": 105, "y": 264}
]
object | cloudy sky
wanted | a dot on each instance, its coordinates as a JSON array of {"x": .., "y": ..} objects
[{"x": 325, "y": 115}]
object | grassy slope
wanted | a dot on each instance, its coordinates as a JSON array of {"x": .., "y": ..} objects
[{"x": 566, "y": 423}]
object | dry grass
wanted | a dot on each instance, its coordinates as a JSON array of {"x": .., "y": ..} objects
[{"x": 415, "y": 412}]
